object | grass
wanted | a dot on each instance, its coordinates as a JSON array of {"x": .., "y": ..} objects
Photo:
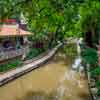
[
  {"x": 18, "y": 62},
  {"x": 10, "y": 65}
]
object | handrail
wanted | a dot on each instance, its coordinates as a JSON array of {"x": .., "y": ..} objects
[{"x": 10, "y": 54}]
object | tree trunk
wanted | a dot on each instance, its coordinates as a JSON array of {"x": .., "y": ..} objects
[{"x": 88, "y": 39}]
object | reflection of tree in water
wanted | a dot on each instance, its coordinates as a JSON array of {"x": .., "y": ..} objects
[
  {"x": 39, "y": 95},
  {"x": 66, "y": 53},
  {"x": 68, "y": 88},
  {"x": 70, "y": 50}
]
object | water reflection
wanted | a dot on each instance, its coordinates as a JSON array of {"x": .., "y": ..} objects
[
  {"x": 77, "y": 63},
  {"x": 54, "y": 81},
  {"x": 39, "y": 95}
]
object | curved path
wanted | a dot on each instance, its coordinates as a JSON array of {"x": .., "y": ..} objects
[{"x": 11, "y": 75}]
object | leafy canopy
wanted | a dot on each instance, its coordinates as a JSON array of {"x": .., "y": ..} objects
[{"x": 64, "y": 17}]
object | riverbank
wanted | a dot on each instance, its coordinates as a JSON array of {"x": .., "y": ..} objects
[
  {"x": 11, "y": 75},
  {"x": 54, "y": 80}
]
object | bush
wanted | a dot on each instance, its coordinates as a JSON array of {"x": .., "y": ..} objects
[
  {"x": 90, "y": 56},
  {"x": 10, "y": 65},
  {"x": 34, "y": 52}
]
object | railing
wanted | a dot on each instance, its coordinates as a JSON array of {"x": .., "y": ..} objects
[{"x": 5, "y": 55}]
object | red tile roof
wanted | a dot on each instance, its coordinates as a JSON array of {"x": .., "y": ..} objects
[{"x": 12, "y": 30}]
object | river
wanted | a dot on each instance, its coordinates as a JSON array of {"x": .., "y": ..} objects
[{"x": 54, "y": 80}]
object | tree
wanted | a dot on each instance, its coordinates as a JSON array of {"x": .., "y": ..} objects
[
  {"x": 90, "y": 21},
  {"x": 62, "y": 18}
]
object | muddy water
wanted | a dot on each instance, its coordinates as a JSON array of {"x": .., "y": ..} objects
[{"x": 54, "y": 81}]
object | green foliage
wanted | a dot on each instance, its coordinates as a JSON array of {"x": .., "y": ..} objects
[
  {"x": 95, "y": 72},
  {"x": 44, "y": 16},
  {"x": 98, "y": 92},
  {"x": 10, "y": 65},
  {"x": 98, "y": 83},
  {"x": 90, "y": 56},
  {"x": 70, "y": 50},
  {"x": 34, "y": 52},
  {"x": 90, "y": 19},
  {"x": 89, "y": 15}
]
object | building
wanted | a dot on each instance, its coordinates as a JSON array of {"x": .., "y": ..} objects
[{"x": 13, "y": 40}]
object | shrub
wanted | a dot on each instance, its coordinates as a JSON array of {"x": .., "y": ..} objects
[
  {"x": 10, "y": 65},
  {"x": 90, "y": 56},
  {"x": 34, "y": 52}
]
